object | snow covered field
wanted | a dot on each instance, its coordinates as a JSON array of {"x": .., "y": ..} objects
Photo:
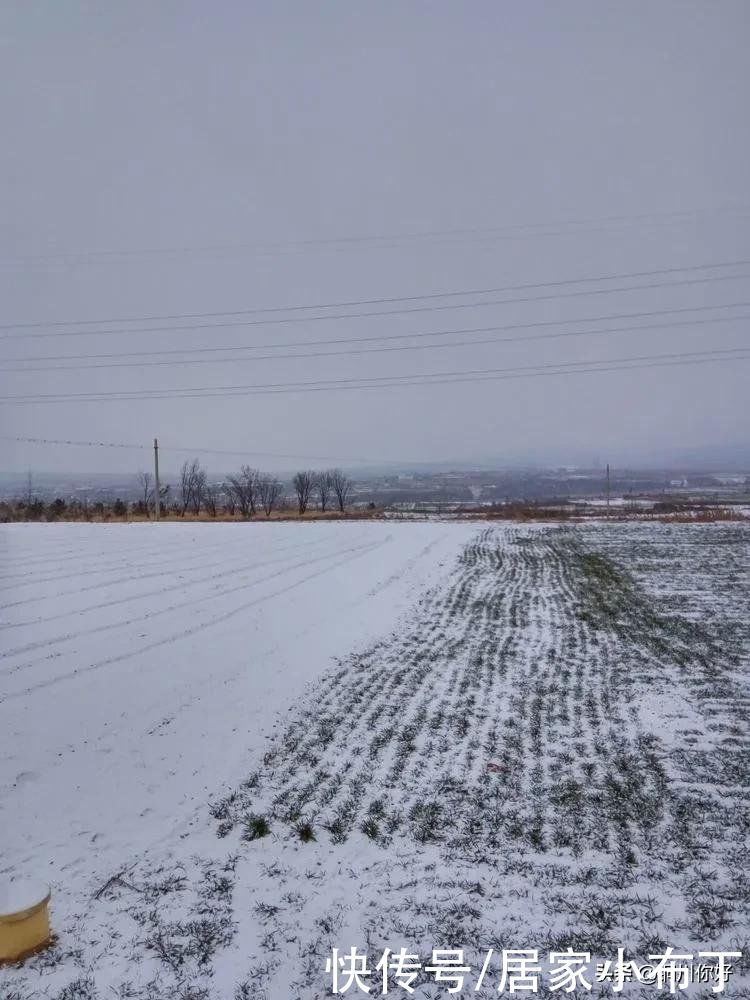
[
  {"x": 237, "y": 747},
  {"x": 137, "y": 676}
]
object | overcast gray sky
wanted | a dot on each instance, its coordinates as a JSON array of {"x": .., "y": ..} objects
[{"x": 162, "y": 159}]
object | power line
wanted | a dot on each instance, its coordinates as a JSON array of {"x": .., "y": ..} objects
[
  {"x": 214, "y": 451},
  {"x": 173, "y": 362},
  {"x": 378, "y": 313},
  {"x": 373, "y": 301},
  {"x": 384, "y": 337},
  {"x": 387, "y": 241},
  {"x": 389, "y": 381},
  {"x": 82, "y": 444}
]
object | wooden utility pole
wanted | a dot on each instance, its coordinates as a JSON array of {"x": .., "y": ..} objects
[{"x": 157, "y": 491}]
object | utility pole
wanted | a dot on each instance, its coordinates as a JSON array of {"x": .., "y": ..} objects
[
  {"x": 157, "y": 491},
  {"x": 607, "y": 489}
]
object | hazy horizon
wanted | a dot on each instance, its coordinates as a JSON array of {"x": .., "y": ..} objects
[{"x": 687, "y": 461}]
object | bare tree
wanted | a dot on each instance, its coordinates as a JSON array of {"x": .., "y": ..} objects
[
  {"x": 244, "y": 489},
  {"x": 210, "y": 499},
  {"x": 323, "y": 487},
  {"x": 269, "y": 492},
  {"x": 233, "y": 490},
  {"x": 342, "y": 487},
  {"x": 187, "y": 474},
  {"x": 164, "y": 498},
  {"x": 192, "y": 485},
  {"x": 230, "y": 500},
  {"x": 199, "y": 493},
  {"x": 147, "y": 492},
  {"x": 303, "y": 484}
]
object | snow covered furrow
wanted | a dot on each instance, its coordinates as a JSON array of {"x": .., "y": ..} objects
[{"x": 507, "y": 731}]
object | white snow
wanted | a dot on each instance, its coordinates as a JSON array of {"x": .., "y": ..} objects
[
  {"x": 20, "y": 895},
  {"x": 141, "y": 666},
  {"x": 497, "y": 736}
]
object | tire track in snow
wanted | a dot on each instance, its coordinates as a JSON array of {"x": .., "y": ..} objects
[
  {"x": 350, "y": 555},
  {"x": 227, "y": 569},
  {"x": 137, "y": 619}
]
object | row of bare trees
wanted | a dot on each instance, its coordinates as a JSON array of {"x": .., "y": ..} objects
[
  {"x": 250, "y": 490},
  {"x": 247, "y": 492},
  {"x": 322, "y": 486}
]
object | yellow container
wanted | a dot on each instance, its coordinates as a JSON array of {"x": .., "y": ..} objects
[{"x": 24, "y": 920}]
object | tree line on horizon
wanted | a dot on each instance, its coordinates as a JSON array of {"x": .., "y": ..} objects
[
  {"x": 251, "y": 490},
  {"x": 245, "y": 494}
]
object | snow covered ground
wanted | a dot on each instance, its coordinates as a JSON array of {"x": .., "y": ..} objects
[
  {"x": 139, "y": 671},
  {"x": 237, "y": 748}
]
